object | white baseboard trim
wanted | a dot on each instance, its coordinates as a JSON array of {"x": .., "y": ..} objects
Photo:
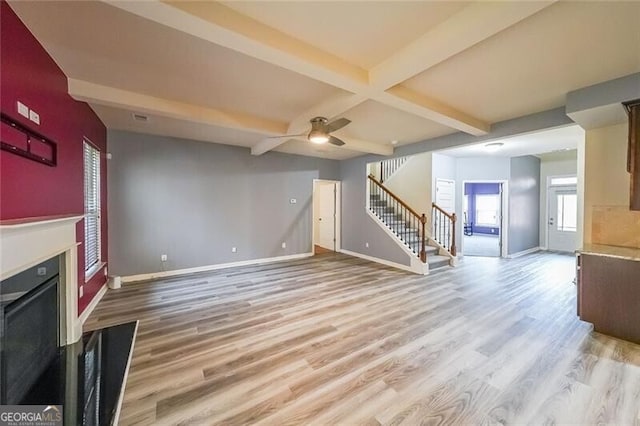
[
  {"x": 524, "y": 252},
  {"x": 164, "y": 274},
  {"x": 92, "y": 305},
  {"x": 383, "y": 261}
]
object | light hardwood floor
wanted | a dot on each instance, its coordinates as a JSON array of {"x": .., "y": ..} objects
[{"x": 337, "y": 340}]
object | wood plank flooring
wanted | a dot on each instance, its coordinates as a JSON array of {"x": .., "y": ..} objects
[{"x": 338, "y": 340}]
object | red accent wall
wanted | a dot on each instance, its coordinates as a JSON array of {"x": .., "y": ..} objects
[{"x": 31, "y": 189}]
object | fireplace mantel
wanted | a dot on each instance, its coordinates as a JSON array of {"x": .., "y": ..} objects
[{"x": 27, "y": 242}]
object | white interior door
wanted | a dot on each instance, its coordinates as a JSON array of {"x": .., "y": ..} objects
[
  {"x": 445, "y": 199},
  {"x": 445, "y": 194},
  {"x": 326, "y": 217},
  {"x": 562, "y": 219}
]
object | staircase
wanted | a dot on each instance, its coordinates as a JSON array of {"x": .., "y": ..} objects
[{"x": 406, "y": 224}]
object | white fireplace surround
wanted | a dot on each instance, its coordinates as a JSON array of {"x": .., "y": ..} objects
[{"x": 28, "y": 242}]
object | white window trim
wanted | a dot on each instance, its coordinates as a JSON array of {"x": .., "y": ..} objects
[{"x": 93, "y": 269}]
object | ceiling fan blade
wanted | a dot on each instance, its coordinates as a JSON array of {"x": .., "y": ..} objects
[
  {"x": 337, "y": 124},
  {"x": 335, "y": 141},
  {"x": 285, "y": 136}
]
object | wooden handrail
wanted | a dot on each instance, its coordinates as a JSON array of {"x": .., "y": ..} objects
[
  {"x": 451, "y": 216},
  {"x": 421, "y": 217}
]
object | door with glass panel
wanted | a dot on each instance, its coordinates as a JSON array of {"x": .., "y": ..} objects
[{"x": 562, "y": 218}]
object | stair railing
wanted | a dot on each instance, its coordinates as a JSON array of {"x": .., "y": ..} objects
[
  {"x": 444, "y": 228},
  {"x": 410, "y": 220},
  {"x": 390, "y": 166}
]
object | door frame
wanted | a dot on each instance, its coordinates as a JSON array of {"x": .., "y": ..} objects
[
  {"x": 547, "y": 212},
  {"x": 338, "y": 213},
  {"x": 504, "y": 228}
]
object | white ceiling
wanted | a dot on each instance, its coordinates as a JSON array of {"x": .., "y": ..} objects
[
  {"x": 237, "y": 72},
  {"x": 551, "y": 141}
]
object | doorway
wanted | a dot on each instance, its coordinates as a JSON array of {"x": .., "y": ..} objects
[
  {"x": 326, "y": 216},
  {"x": 562, "y": 213},
  {"x": 484, "y": 205}
]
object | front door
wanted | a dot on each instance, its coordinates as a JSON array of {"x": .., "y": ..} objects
[
  {"x": 562, "y": 218},
  {"x": 326, "y": 216}
]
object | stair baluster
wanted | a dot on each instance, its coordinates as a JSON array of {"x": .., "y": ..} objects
[{"x": 444, "y": 228}]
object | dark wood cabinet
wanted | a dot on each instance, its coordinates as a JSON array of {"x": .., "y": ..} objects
[
  {"x": 609, "y": 295},
  {"x": 633, "y": 158}
]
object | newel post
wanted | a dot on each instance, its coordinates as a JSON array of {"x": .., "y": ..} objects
[
  {"x": 453, "y": 234},
  {"x": 423, "y": 249}
]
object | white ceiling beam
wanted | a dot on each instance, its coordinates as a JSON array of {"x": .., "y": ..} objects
[
  {"x": 109, "y": 96},
  {"x": 407, "y": 100},
  {"x": 224, "y": 26},
  {"x": 470, "y": 26},
  {"x": 221, "y": 25},
  {"x": 266, "y": 145}
]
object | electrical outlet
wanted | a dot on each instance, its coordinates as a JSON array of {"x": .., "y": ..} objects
[
  {"x": 42, "y": 271},
  {"x": 284, "y": 245},
  {"x": 81, "y": 291},
  {"x": 366, "y": 245},
  {"x": 234, "y": 250},
  {"x": 163, "y": 257}
]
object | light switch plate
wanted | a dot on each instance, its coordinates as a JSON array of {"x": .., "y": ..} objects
[
  {"x": 34, "y": 116},
  {"x": 292, "y": 201},
  {"x": 23, "y": 110}
]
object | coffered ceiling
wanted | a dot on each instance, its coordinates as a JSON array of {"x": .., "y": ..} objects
[{"x": 238, "y": 72}]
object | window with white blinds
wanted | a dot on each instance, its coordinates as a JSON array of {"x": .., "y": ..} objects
[{"x": 91, "y": 207}]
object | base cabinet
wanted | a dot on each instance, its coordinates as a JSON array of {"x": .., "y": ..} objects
[{"x": 609, "y": 295}]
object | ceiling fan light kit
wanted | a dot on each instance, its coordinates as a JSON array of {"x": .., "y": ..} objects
[
  {"x": 321, "y": 131},
  {"x": 318, "y": 137}
]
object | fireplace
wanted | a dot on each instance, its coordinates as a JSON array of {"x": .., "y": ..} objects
[
  {"x": 38, "y": 294},
  {"x": 29, "y": 328}
]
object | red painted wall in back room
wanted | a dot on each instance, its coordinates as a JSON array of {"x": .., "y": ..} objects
[{"x": 31, "y": 189}]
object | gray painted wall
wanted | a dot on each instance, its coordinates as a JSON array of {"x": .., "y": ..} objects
[
  {"x": 524, "y": 204},
  {"x": 195, "y": 200}
]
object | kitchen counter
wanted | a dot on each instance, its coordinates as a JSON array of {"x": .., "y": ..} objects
[{"x": 626, "y": 253}]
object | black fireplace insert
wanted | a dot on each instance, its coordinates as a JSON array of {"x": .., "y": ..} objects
[{"x": 29, "y": 328}]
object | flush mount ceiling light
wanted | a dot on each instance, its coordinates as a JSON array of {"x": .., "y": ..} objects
[
  {"x": 318, "y": 136},
  {"x": 494, "y": 146}
]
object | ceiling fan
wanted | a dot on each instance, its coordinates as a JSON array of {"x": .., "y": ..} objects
[{"x": 321, "y": 131}]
